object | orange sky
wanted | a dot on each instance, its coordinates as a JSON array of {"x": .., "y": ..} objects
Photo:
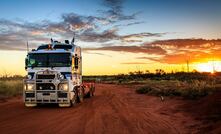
[
  {"x": 169, "y": 55},
  {"x": 116, "y": 36}
]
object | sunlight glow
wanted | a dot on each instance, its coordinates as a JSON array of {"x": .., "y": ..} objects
[{"x": 210, "y": 66}]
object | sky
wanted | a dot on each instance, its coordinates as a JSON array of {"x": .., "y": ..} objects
[{"x": 116, "y": 36}]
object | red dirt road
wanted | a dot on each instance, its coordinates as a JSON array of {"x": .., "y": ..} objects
[{"x": 114, "y": 109}]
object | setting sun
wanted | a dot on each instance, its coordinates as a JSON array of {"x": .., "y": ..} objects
[{"x": 210, "y": 66}]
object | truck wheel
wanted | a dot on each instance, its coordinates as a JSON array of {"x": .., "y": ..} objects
[
  {"x": 80, "y": 95},
  {"x": 74, "y": 100},
  {"x": 93, "y": 91}
]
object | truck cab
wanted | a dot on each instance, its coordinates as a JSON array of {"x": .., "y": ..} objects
[{"x": 54, "y": 75}]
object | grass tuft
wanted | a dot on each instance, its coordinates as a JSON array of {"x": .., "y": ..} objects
[
  {"x": 9, "y": 88},
  {"x": 190, "y": 90}
]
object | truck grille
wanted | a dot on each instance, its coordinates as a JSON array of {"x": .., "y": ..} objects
[
  {"x": 45, "y": 76},
  {"x": 45, "y": 86}
]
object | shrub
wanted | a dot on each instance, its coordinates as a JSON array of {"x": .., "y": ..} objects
[
  {"x": 10, "y": 88},
  {"x": 191, "y": 90},
  {"x": 144, "y": 90}
]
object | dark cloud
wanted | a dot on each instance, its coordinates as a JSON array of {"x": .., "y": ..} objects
[
  {"x": 14, "y": 34},
  {"x": 131, "y": 49},
  {"x": 111, "y": 34},
  {"x": 143, "y": 35},
  {"x": 115, "y": 11},
  {"x": 135, "y": 23},
  {"x": 130, "y": 24},
  {"x": 86, "y": 28},
  {"x": 104, "y": 36}
]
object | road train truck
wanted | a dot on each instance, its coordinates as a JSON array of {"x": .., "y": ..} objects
[{"x": 54, "y": 75}]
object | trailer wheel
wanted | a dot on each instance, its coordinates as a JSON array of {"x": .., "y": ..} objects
[{"x": 93, "y": 90}]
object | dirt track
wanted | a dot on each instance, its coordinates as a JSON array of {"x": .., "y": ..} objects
[{"x": 114, "y": 109}]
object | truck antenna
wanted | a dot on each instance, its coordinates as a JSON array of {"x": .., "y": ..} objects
[
  {"x": 72, "y": 42},
  {"x": 27, "y": 47}
]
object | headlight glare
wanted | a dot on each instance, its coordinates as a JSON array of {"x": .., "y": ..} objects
[
  {"x": 63, "y": 87},
  {"x": 29, "y": 87}
]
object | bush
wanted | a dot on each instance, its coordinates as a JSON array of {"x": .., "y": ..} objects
[
  {"x": 144, "y": 90},
  {"x": 191, "y": 90},
  {"x": 9, "y": 88}
]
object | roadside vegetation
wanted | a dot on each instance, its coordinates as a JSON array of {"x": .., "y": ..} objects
[
  {"x": 188, "y": 89},
  {"x": 10, "y": 86},
  {"x": 190, "y": 85}
]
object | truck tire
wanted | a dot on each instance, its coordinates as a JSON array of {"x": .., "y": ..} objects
[
  {"x": 91, "y": 93},
  {"x": 74, "y": 99},
  {"x": 80, "y": 95},
  {"x": 93, "y": 90}
]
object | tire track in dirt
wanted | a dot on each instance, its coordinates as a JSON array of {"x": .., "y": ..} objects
[{"x": 114, "y": 109}]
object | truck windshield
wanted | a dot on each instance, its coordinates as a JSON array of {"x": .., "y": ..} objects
[{"x": 49, "y": 60}]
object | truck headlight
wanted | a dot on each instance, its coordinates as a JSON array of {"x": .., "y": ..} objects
[
  {"x": 29, "y": 87},
  {"x": 63, "y": 87}
]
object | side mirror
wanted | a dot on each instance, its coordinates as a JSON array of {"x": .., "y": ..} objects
[
  {"x": 76, "y": 62},
  {"x": 26, "y": 63}
]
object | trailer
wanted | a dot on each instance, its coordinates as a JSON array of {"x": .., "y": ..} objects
[{"x": 54, "y": 75}]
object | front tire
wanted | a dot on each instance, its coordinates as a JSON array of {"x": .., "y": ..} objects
[
  {"x": 74, "y": 99},
  {"x": 80, "y": 95}
]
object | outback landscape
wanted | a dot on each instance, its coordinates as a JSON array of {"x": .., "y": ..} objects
[
  {"x": 134, "y": 103},
  {"x": 110, "y": 66}
]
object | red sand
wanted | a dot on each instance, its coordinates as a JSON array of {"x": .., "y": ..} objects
[{"x": 114, "y": 109}]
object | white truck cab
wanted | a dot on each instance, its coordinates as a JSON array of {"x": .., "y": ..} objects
[{"x": 54, "y": 75}]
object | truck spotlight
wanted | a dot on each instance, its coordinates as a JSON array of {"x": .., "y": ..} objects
[
  {"x": 30, "y": 87},
  {"x": 29, "y": 77},
  {"x": 61, "y": 77},
  {"x": 51, "y": 88}
]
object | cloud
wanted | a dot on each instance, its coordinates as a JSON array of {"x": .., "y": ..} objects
[
  {"x": 129, "y": 63},
  {"x": 179, "y": 51},
  {"x": 130, "y": 24},
  {"x": 111, "y": 35},
  {"x": 14, "y": 34},
  {"x": 96, "y": 53},
  {"x": 176, "y": 51},
  {"x": 114, "y": 13},
  {"x": 131, "y": 49},
  {"x": 86, "y": 28},
  {"x": 98, "y": 29}
]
